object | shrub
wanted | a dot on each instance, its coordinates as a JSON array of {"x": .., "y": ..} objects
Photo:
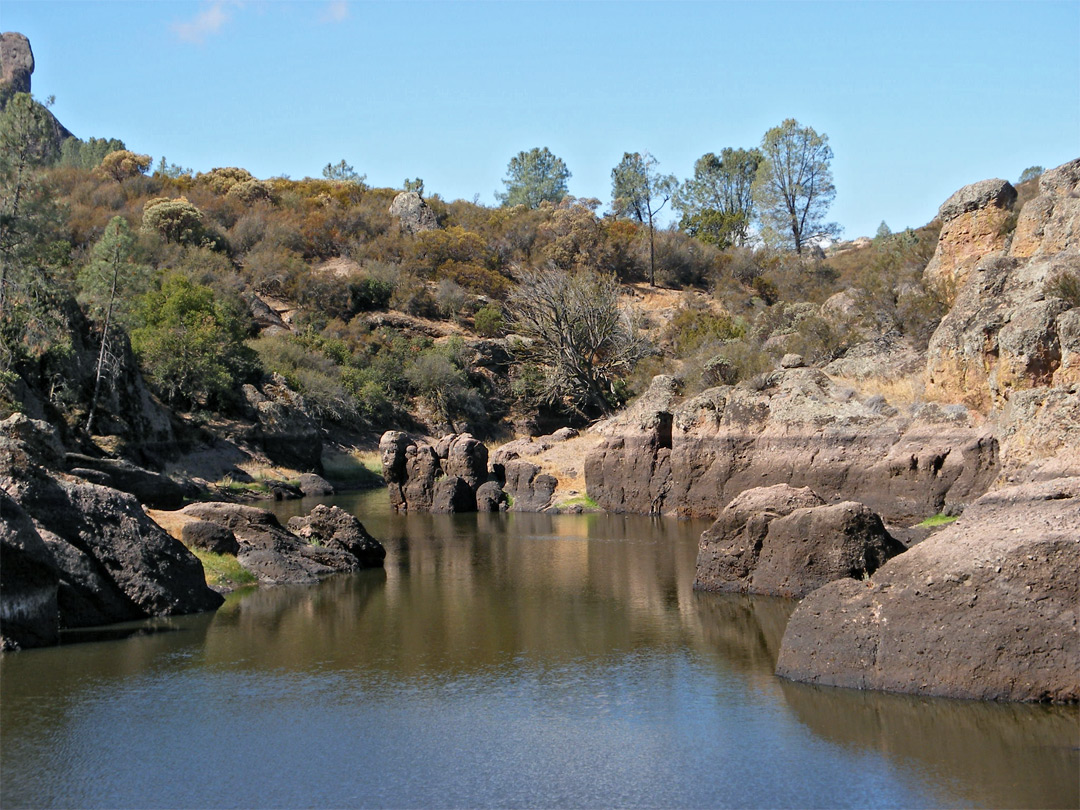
[
  {"x": 691, "y": 328},
  {"x": 488, "y": 321},
  {"x": 175, "y": 220},
  {"x": 222, "y": 179},
  {"x": 1064, "y": 284}
]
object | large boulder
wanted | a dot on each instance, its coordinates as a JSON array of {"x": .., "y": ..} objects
[
  {"x": 414, "y": 215},
  {"x": 490, "y": 497},
  {"x": 972, "y": 225},
  {"x": 28, "y": 582},
  {"x": 986, "y": 608},
  {"x": 203, "y": 534},
  {"x": 729, "y": 549},
  {"x": 266, "y": 549},
  {"x": 335, "y": 528},
  {"x": 84, "y": 553},
  {"x": 440, "y": 477},
  {"x": 529, "y": 489},
  {"x": 795, "y": 427},
  {"x": 782, "y": 541}
]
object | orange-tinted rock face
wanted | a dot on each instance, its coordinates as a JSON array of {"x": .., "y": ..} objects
[
  {"x": 974, "y": 223},
  {"x": 1005, "y": 333}
]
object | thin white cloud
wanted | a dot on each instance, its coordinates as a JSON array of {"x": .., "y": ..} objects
[
  {"x": 335, "y": 11},
  {"x": 207, "y": 22}
]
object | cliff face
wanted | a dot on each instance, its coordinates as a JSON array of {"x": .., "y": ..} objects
[
  {"x": 1005, "y": 333},
  {"x": 803, "y": 430},
  {"x": 1007, "y": 355}
]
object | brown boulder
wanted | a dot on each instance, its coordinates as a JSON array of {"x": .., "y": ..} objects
[
  {"x": 273, "y": 554},
  {"x": 986, "y": 608},
  {"x": 729, "y": 549},
  {"x": 335, "y": 528},
  {"x": 529, "y": 489},
  {"x": 209, "y": 536}
]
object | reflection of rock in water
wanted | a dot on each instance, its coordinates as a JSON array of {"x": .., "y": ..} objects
[
  {"x": 292, "y": 625},
  {"x": 745, "y": 630},
  {"x": 992, "y": 753}
]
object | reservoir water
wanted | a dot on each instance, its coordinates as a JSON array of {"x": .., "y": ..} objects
[{"x": 498, "y": 661}]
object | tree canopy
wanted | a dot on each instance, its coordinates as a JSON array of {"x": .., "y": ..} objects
[
  {"x": 533, "y": 177},
  {"x": 794, "y": 187},
  {"x": 717, "y": 203}
]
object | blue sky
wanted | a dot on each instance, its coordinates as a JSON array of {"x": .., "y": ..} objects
[{"x": 917, "y": 99}]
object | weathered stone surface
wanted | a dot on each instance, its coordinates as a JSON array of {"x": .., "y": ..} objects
[
  {"x": 986, "y": 608},
  {"x": 337, "y": 529},
  {"x": 114, "y": 563},
  {"x": 529, "y": 489},
  {"x": 729, "y": 549},
  {"x": 16, "y": 62},
  {"x": 150, "y": 488},
  {"x": 973, "y": 222},
  {"x": 275, "y": 555},
  {"x": 467, "y": 458},
  {"x": 413, "y": 213},
  {"x": 814, "y": 546},
  {"x": 108, "y": 561},
  {"x": 1050, "y": 223},
  {"x": 311, "y": 484},
  {"x": 452, "y": 494},
  {"x": 392, "y": 447},
  {"x": 284, "y": 429},
  {"x": 443, "y": 477},
  {"x": 209, "y": 536},
  {"x": 792, "y": 360},
  {"x": 885, "y": 357},
  {"x": 29, "y": 616},
  {"x": 801, "y": 429},
  {"x": 490, "y": 497},
  {"x": 1003, "y": 333}
]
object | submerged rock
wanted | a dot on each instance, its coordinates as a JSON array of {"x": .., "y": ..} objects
[{"x": 986, "y": 608}]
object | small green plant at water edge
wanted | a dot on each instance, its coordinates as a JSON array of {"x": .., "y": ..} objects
[
  {"x": 581, "y": 500},
  {"x": 224, "y": 570},
  {"x": 936, "y": 520}
]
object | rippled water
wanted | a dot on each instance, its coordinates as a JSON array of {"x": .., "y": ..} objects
[{"x": 499, "y": 660}]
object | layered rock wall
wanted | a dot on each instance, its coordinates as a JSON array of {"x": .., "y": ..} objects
[{"x": 802, "y": 430}]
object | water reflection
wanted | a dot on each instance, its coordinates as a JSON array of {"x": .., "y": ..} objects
[
  {"x": 498, "y": 660},
  {"x": 997, "y": 755}
]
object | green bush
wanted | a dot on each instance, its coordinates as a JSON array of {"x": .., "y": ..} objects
[
  {"x": 488, "y": 321},
  {"x": 190, "y": 344}
]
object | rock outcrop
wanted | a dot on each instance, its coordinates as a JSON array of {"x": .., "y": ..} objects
[
  {"x": 783, "y": 541},
  {"x": 1004, "y": 332},
  {"x": 986, "y": 608},
  {"x": 284, "y": 429},
  {"x": 690, "y": 459},
  {"x": 414, "y": 215},
  {"x": 77, "y": 554},
  {"x": 452, "y": 475},
  {"x": 333, "y": 527},
  {"x": 972, "y": 225},
  {"x": 16, "y": 62},
  {"x": 276, "y": 556}
]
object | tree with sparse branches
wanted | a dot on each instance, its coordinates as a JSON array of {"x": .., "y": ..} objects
[
  {"x": 342, "y": 173},
  {"x": 106, "y": 287},
  {"x": 640, "y": 192},
  {"x": 572, "y": 327},
  {"x": 794, "y": 187},
  {"x": 533, "y": 177}
]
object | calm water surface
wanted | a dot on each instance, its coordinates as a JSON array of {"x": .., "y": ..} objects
[{"x": 498, "y": 661}]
